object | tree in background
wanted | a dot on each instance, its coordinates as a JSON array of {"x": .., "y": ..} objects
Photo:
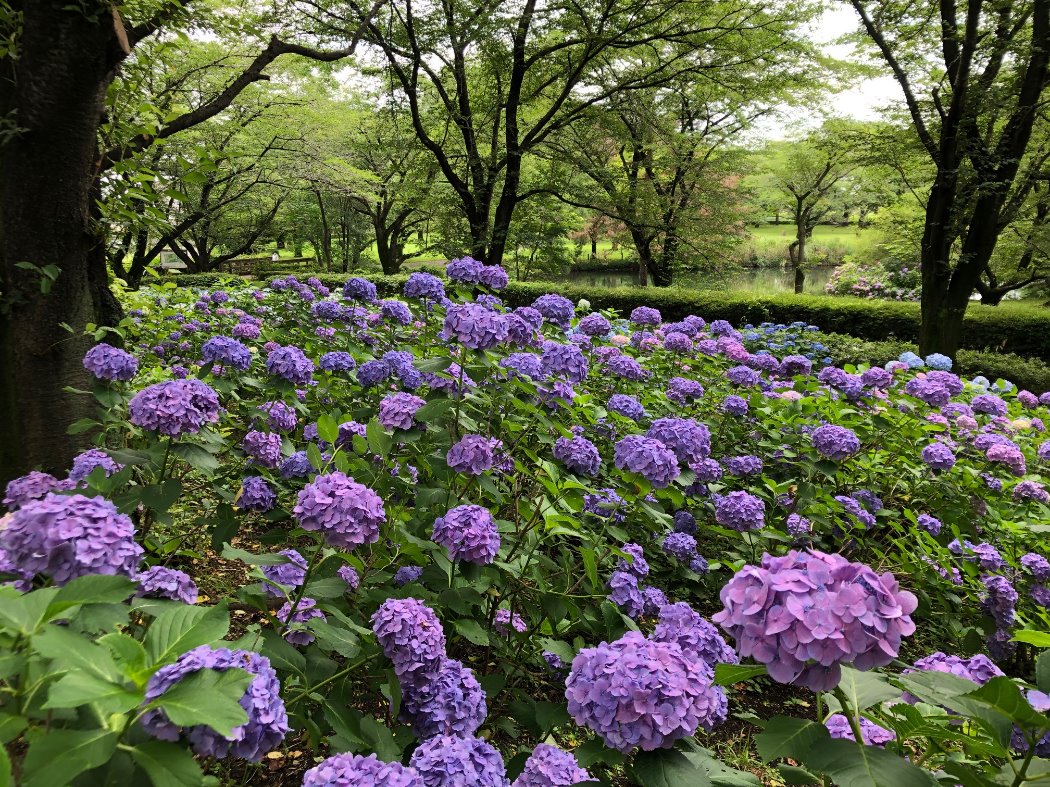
[{"x": 974, "y": 82}]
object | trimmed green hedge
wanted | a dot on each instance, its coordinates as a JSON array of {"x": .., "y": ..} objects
[{"x": 1009, "y": 328}]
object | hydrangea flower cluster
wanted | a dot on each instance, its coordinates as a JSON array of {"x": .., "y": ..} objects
[
  {"x": 578, "y": 454},
  {"x": 355, "y": 770},
  {"x": 347, "y": 513},
  {"x": 84, "y": 463},
  {"x": 290, "y": 574},
  {"x": 740, "y": 511},
  {"x": 469, "y": 533},
  {"x": 549, "y": 766},
  {"x": 473, "y": 454},
  {"x": 874, "y": 735},
  {"x": 291, "y": 364},
  {"x": 229, "y": 352},
  {"x": 649, "y": 458},
  {"x": 451, "y": 761},
  {"x": 280, "y": 417},
  {"x": 690, "y": 440},
  {"x": 805, "y": 614},
  {"x": 169, "y": 583},
  {"x": 256, "y": 493},
  {"x": 175, "y": 407},
  {"x": 835, "y": 442},
  {"x": 398, "y": 410},
  {"x": 475, "y": 326},
  {"x": 110, "y": 363},
  {"x": 291, "y": 614}
]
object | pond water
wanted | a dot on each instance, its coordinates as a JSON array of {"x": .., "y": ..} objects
[{"x": 771, "y": 281}]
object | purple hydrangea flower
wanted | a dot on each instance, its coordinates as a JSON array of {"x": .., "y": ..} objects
[
  {"x": 305, "y": 611},
  {"x": 798, "y": 526},
  {"x": 1031, "y": 490},
  {"x": 555, "y": 308},
  {"x": 279, "y": 416},
  {"x": 741, "y": 466},
  {"x": 578, "y": 454},
  {"x": 930, "y": 524},
  {"x": 264, "y": 448},
  {"x": 337, "y": 361},
  {"x": 684, "y": 522},
  {"x": 625, "y": 367},
  {"x": 595, "y": 325},
  {"x": 980, "y": 669},
  {"x": 606, "y": 504},
  {"x": 346, "y": 512},
  {"x": 452, "y": 702},
  {"x": 694, "y": 634},
  {"x": 34, "y": 485},
  {"x": 740, "y": 511},
  {"x": 464, "y": 269},
  {"x": 649, "y": 458},
  {"x": 1000, "y": 600},
  {"x": 874, "y": 735},
  {"x": 296, "y": 466},
  {"x": 290, "y": 574},
  {"x": 627, "y": 406},
  {"x": 175, "y": 407},
  {"x": 624, "y": 593},
  {"x": 505, "y": 621},
  {"x": 291, "y": 364},
  {"x": 229, "y": 352},
  {"x": 350, "y": 576},
  {"x": 795, "y": 366},
  {"x": 690, "y": 440},
  {"x": 424, "y": 286},
  {"x": 469, "y": 533},
  {"x": 355, "y": 770},
  {"x": 638, "y": 693},
  {"x": 68, "y": 536},
  {"x": 396, "y": 312},
  {"x": 110, "y": 363},
  {"x": 806, "y": 613},
  {"x": 735, "y": 405},
  {"x": 645, "y": 315},
  {"x": 398, "y": 410},
  {"x": 473, "y": 454},
  {"x": 549, "y": 766},
  {"x": 678, "y": 342},
  {"x": 475, "y": 326},
  {"x": 835, "y": 442},
  {"x": 256, "y": 494},
  {"x": 653, "y": 599},
  {"x": 988, "y": 403},
  {"x": 854, "y": 508},
  {"x": 359, "y": 289},
  {"x": 84, "y": 463},
  {"x": 564, "y": 360},
  {"x": 637, "y": 565},
  {"x": 495, "y": 277},
  {"x": 372, "y": 373},
  {"x": 1009, "y": 455},
  {"x": 267, "y": 720},
  {"x": 1038, "y": 565},
  {"x": 743, "y": 376},
  {"x": 169, "y": 583},
  {"x": 451, "y": 761},
  {"x": 681, "y": 545},
  {"x": 411, "y": 636},
  {"x": 680, "y": 390},
  {"x": 406, "y": 575},
  {"x": 938, "y": 456}
]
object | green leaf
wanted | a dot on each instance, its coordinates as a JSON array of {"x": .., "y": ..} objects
[
  {"x": 728, "y": 674},
  {"x": 852, "y": 764},
  {"x": 11, "y": 727},
  {"x": 381, "y": 740},
  {"x": 1004, "y": 696},
  {"x": 198, "y": 457},
  {"x": 794, "y": 775},
  {"x": 590, "y": 565},
  {"x": 432, "y": 411},
  {"x": 25, "y": 613},
  {"x": 1040, "y": 639},
  {"x": 327, "y": 428},
  {"x": 1042, "y": 671},
  {"x": 182, "y": 628},
  {"x": 80, "y": 688},
  {"x": 232, "y": 553},
  {"x": 379, "y": 442},
  {"x": 337, "y": 639},
  {"x": 6, "y": 779},
  {"x": 784, "y": 736},
  {"x": 562, "y": 650},
  {"x": 67, "y": 648},
  {"x": 91, "y": 589},
  {"x": 472, "y": 631},
  {"x": 209, "y": 697},
  {"x": 128, "y": 653},
  {"x": 168, "y": 764},
  {"x": 668, "y": 768},
  {"x": 161, "y": 497},
  {"x": 55, "y": 757},
  {"x": 865, "y": 689}
]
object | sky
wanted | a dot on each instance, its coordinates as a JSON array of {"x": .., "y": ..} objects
[{"x": 862, "y": 101}]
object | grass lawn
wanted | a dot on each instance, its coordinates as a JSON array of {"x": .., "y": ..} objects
[{"x": 823, "y": 235}]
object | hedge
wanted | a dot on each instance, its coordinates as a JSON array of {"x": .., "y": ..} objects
[{"x": 1009, "y": 328}]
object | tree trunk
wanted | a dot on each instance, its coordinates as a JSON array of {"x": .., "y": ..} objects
[
  {"x": 799, "y": 257},
  {"x": 54, "y": 91}
]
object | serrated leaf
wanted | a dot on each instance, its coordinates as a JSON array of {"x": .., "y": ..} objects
[
  {"x": 182, "y": 628},
  {"x": 56, "y": 757},
  {"x": 333, "y": 638},
  {"x": 91, "y": 589},
  {"x": 198, "y": 457},
  {"x": 797, "y": 777},
  {"x": 80, "y": 688},
  {"x": 380, "y": 739},
  {"x": 865, "y": 689},
  {"x": 784, "y": 736},
  {"x": 852, "y": 764},
  {"x": 432, "y": 411},
  {"x": 167, "y": 764},
  {"x": 67, "y": 648},
  {"x": 728, "y": 674},
  {"x": 472, "y": 631},
  {"x": 668, "y": 768},
  {"x": 209, "y": 697},
  {"x": 232, "y": 553}
]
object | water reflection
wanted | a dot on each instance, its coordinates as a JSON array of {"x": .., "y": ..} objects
[{"x": 767, "y": 280}]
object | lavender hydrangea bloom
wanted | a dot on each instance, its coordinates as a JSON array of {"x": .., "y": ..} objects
[
  {"x": 169, "y": 583},
  {"x": 681, "y": 545},
  {"x": 279, "y": 416},
  {"x": 346, "y": 512},
  {"x": 549, "y": 766},
  {"x": 337, "y": 361},
  {"x": 690, "y": 440},
  {"x": 555, "y": 308},
  {"x": 267, "y": 720},
  {"x": 638, "y": 693},
  {"x": 627, "y": 406},
  {"x": 877, "y": 377},
  {"x": 355, "y": 770},
  {"x": 305, "y": 611},
  {"x": 1008, "y": 455},
  {"x": 740, "y": 511},
  {"x": 495, "y": 277},
  {"x": 474, "y": 326},
  {"x": 678, "y": 342},
  {"x": 264, "y": 448},
  {"x": 653, "y": 600},
  {"x": 290, "y": 574},
  {"x": 684, "y": 522},
  {"x": 68, "y": 536},
  {"x": 606, "y": 504},
  {"x": 835, "y": 442},
  {"x": 649, "y": 458},
  {"x": 523, "y": 365},
  {"x": 505, "y": 620},
  {"x": 798, "y": 526},
  {"x": 398, "y": 410},
  {"x": 34, "y": 485},
  {"x": 175, "y": 407},
  {"x": 741, "y": 466},
  {"x": 930, "y": 524},
  {"x": 424, "y": 286},
  {"x": 396, "y": 312},
  {"x": 980, "y": 669},
  {"x": 794, "y": 366},
  {"x": 637, "y": 565},
  {"x": 695, "y": 635},
  {"x": 625, "y": 367},
  {"x": 372, "y": 373},
  {"x": 296, "y": 466},
  {"x": 256, "y": 494},
  {"x": 1000, "y": 600},
  {"x": 806, "y": 613},
  {"x": 350, "y": 576},
  {"x": 291, "y": 364},
  {"x": 578, "y": 454},
  {"x": 624, "y": 593},
  {"x": 1031, "y": 490},
  {"x": 988, "y": 403},
  {"x": 473, "y": 455},
  {"x": 1038, "y": 565},
  {"x": 451, "y": 761},
  {"x": 938, "y": 456},
  {"x": 469, "y": 533},
  {"x": 874, "y": 735},
  {"x": 110, "y": 363},
  {"x": 359, "y": 289},
  {"x": 743, "y": 376},
  {"x": 84, "y": 463},
  {"x": 594, "y": 324},
  {"x": 645, "y": 315},
  {"x": 450, "y": 703},
  {"x": 411, "y": 636},
  {"x": 564, "y": 360},
  {"x": 228, "y": 352},
  {"x": 464, "y": 269},
  {"x": 735, "y": 405},
  {"x": 406, "y": 575},
  {"x": 681, "y": 390}
]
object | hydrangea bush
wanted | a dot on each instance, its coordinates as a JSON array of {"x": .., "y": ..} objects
[{"x": 456, "y": 533}]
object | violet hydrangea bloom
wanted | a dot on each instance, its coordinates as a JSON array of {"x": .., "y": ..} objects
[
  {"x": 653, "y": 600},
  {"x": 475, "y": 326},
  {"x": 594, "y": 324},
  {"x": 229, "y": 352},
  {"x": 681, "y": 390},
  {"x": 337, "y": 361},
  {"x": 694, "y": 634},
  {"x": 1009, "y": 455},
  {"x": 291, "y": 364},
  {"x": 372, "y": 373},
  {"x": 806, "y": 613},
  {"x": 874, "y": 735},
  {"x": 305, "y": 611},
  {"x": 564, "y": 360},
  {"x": 175, "y": 407},
  {"x": 451, "y": 761},
  {"x": 735, "y": 405},
  {"x": 469, "y": 533},
  {"x": 452, "y": 702},
  {"x": 424, "y": 286},
  {"x": 411, "y": 636},
  {"x": 355, "y": 770},
  {"x": 406, "y": 575},
  {"x": 638, "y": 693},
  {"x": 930, "y": 524},
  {"x": 464, "y": 269},
  {"x": 649, "y": 458},
  {"x": 681, "y": 545},
  {"x": 624, "y": 593},
  {"x": 495, "y": 277},
  {"x": 627, "y": 406},
  {"x": 740, "y": 511},
  {"x": 549, "y": 766},
  {"x": 835, "y": 442},
  {"x": 555, "y": 308},
  {"x": 1038, "y": 565},
  {"x": 359, "y": 289},
  {"x": 289, "y": 574},
  {"x": 988, "y": 403},
  {"x": 798, "y": 526},
  {"x": 578, "y": 454},
  {"x": 938, "y": 456},
  {"x": 256, "y": 495},
  {"x": 473, "y": 455},
  {"x": 741, "y": 466},
  {"x": 110, "y": 363},
  {"x": 169, "y": 583},
  {"x": 84, "y": 463},
  {"x": 34, "y": 485},
  {"x": 264, "y": 448},
  {"x": 689, "y": 439},
  {"x": 347, "y": 513},
  {"x": 68, "y": 536},
  {"x": 504, "y": 621},
  {"x": 279, "y": 416},
  {"x": 398, "y": 410},
  {"x": 980, "y": 669},
  {"x": 350, "y": 576},
  {"x": 267, "y": 719},
  {"x": 637, "y": 565}
]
